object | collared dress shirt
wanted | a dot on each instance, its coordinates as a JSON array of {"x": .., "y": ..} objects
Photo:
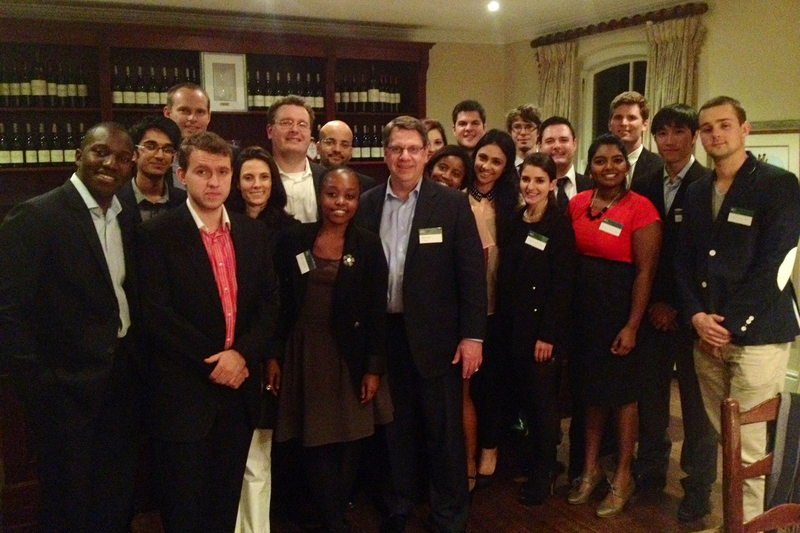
[
  {"x": 148, "y": 209},
  {"x": 108, "y": 231},
  {"x": 633, "y": 158},
  {"x": 301, "y": 198},
  {"x": 671, "y": 187},
  {"x": 395, "y": 232}
]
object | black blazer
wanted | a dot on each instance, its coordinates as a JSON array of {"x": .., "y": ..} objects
[
  {"x": 127, "y": 197},
  {"x": 317, "y": 170},
  {"x": 647, "y": 164},
  {"x": 184, "y": 320},
  {"x": 444, "y": 284},
  {"x": 358, "y": 319},
  {"x": 583, "y": 182},
  {"x": 652, "y": 187},
  {"x": 738, "y": 271},
  {"x": 534, "y": 287},
  {"x": 59, "y": 316}
]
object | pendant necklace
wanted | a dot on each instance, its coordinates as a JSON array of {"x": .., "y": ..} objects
[{"x": 602, "y": 212}]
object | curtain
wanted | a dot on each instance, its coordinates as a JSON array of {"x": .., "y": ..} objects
[{"x": 559, "y": 79}]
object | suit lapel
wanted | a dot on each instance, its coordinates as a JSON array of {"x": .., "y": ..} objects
[
  {"x": 83, "y": 219},
  {"x": 189, "y": 237},
  {"x": 426, "y": 203}
]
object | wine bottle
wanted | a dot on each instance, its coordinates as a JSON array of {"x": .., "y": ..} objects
[
  {"x": 56, "y": 149},
  {"x": 153, "y": 97},
  {"x": 83, "y": 87},
  {"x": 269, "y": 91},
  {"x": 289, "y": 87},
  {"x": 72, "y": 87},
  {"x": 70, "y": 145},
  {"x": 25, "y": 86},
  {"x": 128, "y": 91},
  {"x": 13, "y": 87},
  {"x": 176, "y": 79},
  {"x": 52, "y": 86},
  {"x": 301, "y": 92},
  {"x": 374, "y": 93},
  {"x": 353, "y": 94},
  {"x": 163, "y": 90},
  {"x": 5, "y": 148},
  {"x": 258, "y": 99},
  {"x": 16, "y": 147},
  {"x": 384, "y": 95},
  {"x": 356, "y": 144},
  {"x": 4, "y": 89},
  {"x": 140, "y": 93},
  {"x": 31, "y": 148},
  {"x": 337, "y": 94},
  {"x": 396, "y": 89},
  {"x": 61, "y": 87},
  {"x": 251, "y": 90},
  {"x": 116, "y": 88},
  {"x": 363, "y": 95},
  {"x": 375, "y": 145},
  {"x": 43, "y": 147},
  {"x": 345, "y": 95},
  {"x": 319, "y": 94}
]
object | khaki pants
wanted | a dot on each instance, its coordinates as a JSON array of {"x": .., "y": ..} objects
[
  {"x": 750, "y": 375},
  {"x": 253, "y": 516}
]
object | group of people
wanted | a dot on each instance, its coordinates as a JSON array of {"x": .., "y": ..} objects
[{"x": 215, "y": 301}]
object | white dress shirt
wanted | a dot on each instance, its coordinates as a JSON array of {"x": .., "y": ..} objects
[{"x": 301, "y": 198}]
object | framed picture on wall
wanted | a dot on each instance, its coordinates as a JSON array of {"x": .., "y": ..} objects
[
  {"x": 779, "y": 149},
  {"x": 224, "y": 80}
]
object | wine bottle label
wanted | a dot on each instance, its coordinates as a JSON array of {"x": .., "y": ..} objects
[
  {"x": 129, "y": 97},
  {"x": 396, "y": 98},
  {"x": 116, "y": 98},
  {"x": 56, "y": 156},
  {"x": 356, "y": 152},
  {"x": 69, "y": 155},
  {"x": 251, "y": 100},
  {"x": 5, "y": 90},
  {"x": 5, "y": 157},
  {"x": 83, "y": 90},
  {"x": 140, "y": 98},
  {"x": 153, "y": 98},
  {"x": 337, "y": 97},
  {"x": 72, "y": 90},
  {"x": 319, "y": 102},
  {"x": 13, "y": 88},
  {"x": 162, "y": 98},
  {"x": 373, "y": 96},
  {"x": 345, "y": 97},
  {"x": 52, "y": 88},
  {"x": 375, "y": 152},
  {"x": 38, "y": 88},
  {"x": 384, "y": 97},
  {"x": 30, "y": 156},
  {"x": 25, "y": 88},
  {"x": 17, "y": 157},
  {"x": 61, "y": 90},
  {"x": 363, "y": 97},
  {"x": 353, "y": 97},
  {"x": 381, "y": 153},
  {"x": 269, "y": 100},
  {"x": 43, "y": 155},
  {"x": 259, "y": 101}
]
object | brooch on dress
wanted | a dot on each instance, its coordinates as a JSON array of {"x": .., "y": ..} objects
[{"x": 348, "y": 260}]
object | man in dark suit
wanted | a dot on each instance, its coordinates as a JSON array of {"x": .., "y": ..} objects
[
  {"x": 67, "y": 298},
  {"x": 210, "y": 303},
  {"x": 436, "y": 322},
  {"x": 335, "y": 147},
  {"x": 149, "y": 193},
  {"x": 666, "y": 337},
  {"x": 629, "y": 114},
  {"x": 557, "y": 139}
]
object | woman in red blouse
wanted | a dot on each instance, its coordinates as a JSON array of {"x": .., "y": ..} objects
[{"x": 618, "y": 236}]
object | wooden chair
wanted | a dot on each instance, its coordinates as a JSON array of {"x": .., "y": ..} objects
[{"x": 734, "y": 473}]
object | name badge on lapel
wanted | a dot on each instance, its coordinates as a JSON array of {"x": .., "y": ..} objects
[
  {"x": 537, "y": 241},
  {"x": 611, "y": 227},
  {"x": 306, "y": 262},
  {"x": 741, "y": 216},
  {"x": 678, "y": 214},
  {"x": 430, "y": 235}
]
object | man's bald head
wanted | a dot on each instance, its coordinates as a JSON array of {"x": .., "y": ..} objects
[{"x": 335, "y": 146}]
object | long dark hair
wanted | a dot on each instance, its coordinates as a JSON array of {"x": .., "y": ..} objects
[
  {"x": 506, "y": 188},
  {"x": 274, "y": 212},
  {"x": 456, "y": 151},
  {"x": 545, "y": 162}
]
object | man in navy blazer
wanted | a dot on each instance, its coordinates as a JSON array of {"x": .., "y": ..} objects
[
  {"x": 67, "y": 319},
  {"x": 210, "y": 302},
  {"x": 435, "y": 326},
  {"x": 735, "y": 257},
  {"x": 666, "y": 337}
]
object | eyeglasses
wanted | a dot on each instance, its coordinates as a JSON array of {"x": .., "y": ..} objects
[
  {"x": 330, "y": 141},
  {"x": 525, "y": 126},
  {"x": 398, "y": 150},
  {"x": 152, "y": 147},
  {"x": 288, "y": 123}
]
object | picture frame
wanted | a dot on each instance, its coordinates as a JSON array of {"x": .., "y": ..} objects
[
  {"x": 781, "y": 149},
  {"x": 223, "y": 77}
]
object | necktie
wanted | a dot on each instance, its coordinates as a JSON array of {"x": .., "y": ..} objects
[{"x": 561, "y": 194}]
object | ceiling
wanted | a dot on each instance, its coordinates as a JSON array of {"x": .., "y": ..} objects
[{"x": 464, "y": 21}]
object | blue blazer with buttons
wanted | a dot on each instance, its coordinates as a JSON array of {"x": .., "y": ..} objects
[{"x": 741, "y": 270}]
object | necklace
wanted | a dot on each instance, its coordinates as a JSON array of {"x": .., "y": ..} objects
[
  {"x": 533, "y": 218},
  {"x": 602, "y": 212}
]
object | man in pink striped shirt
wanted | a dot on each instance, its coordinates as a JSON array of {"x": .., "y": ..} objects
[{"x": 210, "y": 302}]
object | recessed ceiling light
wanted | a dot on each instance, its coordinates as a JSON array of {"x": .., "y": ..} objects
[{"x": 493, "y": 6}]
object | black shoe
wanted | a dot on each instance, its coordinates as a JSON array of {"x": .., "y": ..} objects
[
  {"x": 483, "y": 481},
  {"x": 651, "y": 483},
  {"x": 536, "y": 490},
  {"x": 695, "y": 505},
  {"x": 394, "y": 523}
]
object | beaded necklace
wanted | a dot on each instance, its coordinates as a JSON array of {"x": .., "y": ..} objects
[{"x": 602, "y": 212}]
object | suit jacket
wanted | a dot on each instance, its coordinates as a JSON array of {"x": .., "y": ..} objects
[
  {"x": 652, "y": 187},
  {"x": 647, "y": 163},
  {"x": 739, "y": 266},
  {"x": 317, "y": 170},
  {"x": 535, "y": 286},
  {"x": 583, "y": 182},
  {"x": 358, "y": 316},
  {"x": 185, "y": 323},
  {"x": 444, "y": 284},
  {"x": 59, "y": 315},
  {"x": 128, "y": 199}
]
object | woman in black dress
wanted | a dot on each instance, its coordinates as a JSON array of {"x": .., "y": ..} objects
[
  {"x": 334, "y": 283},
  {"x": 534, "y": 286}
]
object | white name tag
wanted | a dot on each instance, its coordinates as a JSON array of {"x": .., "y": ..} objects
[
  {"x": 430, "y": 235},
  {"x": 611, "y": 227},
  {"x": 537, "y": 241},
  {"x": 741, "y": 216},
  {"x": 305, "y": 261},
  {"x": 678, "y": 214}
]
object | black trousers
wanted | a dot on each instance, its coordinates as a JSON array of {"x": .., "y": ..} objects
[
  {"x": 699, "y": 453},
  {"x": 199, "y": 482},
  {"x": 86, "y": 470},
  {"x": 331, "y": 470},
  {"x": 495, "y": 407},
  {"x": 433, "y": 405}
]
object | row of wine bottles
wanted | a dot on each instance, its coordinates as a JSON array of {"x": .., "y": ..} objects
[
  {"x": 262, "y": 91},
  {"x": 379, "y": 94},
  {"x": 47, "y": 146},
  {"x": 367, "y": 143},
  {"x": 39, "y": 85},
  {"x": 141, "y": 90}
]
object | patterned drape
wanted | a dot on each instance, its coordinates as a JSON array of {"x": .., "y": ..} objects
[{"x": 559, "y": 79}]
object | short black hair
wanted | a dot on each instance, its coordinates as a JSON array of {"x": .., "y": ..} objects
[
  {"x": 675, "y": 115},
  {"x": 455, "y": 151},
  {"x": 156, "y": 122},
  {"x": 555, "y": 121},
  {"x": 108, "y": 126},
  {"x": 469, "y": 105}
]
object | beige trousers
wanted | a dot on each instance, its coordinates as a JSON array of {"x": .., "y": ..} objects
[
  {"x": 253, "y": 516},
  {"x": 751, "y": 375}
]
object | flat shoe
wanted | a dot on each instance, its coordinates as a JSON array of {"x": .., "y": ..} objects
[
  {"x": 615, "y": 501},
  {"x": 583, "y": 488},
  {"x": 483, "y": 481}
]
